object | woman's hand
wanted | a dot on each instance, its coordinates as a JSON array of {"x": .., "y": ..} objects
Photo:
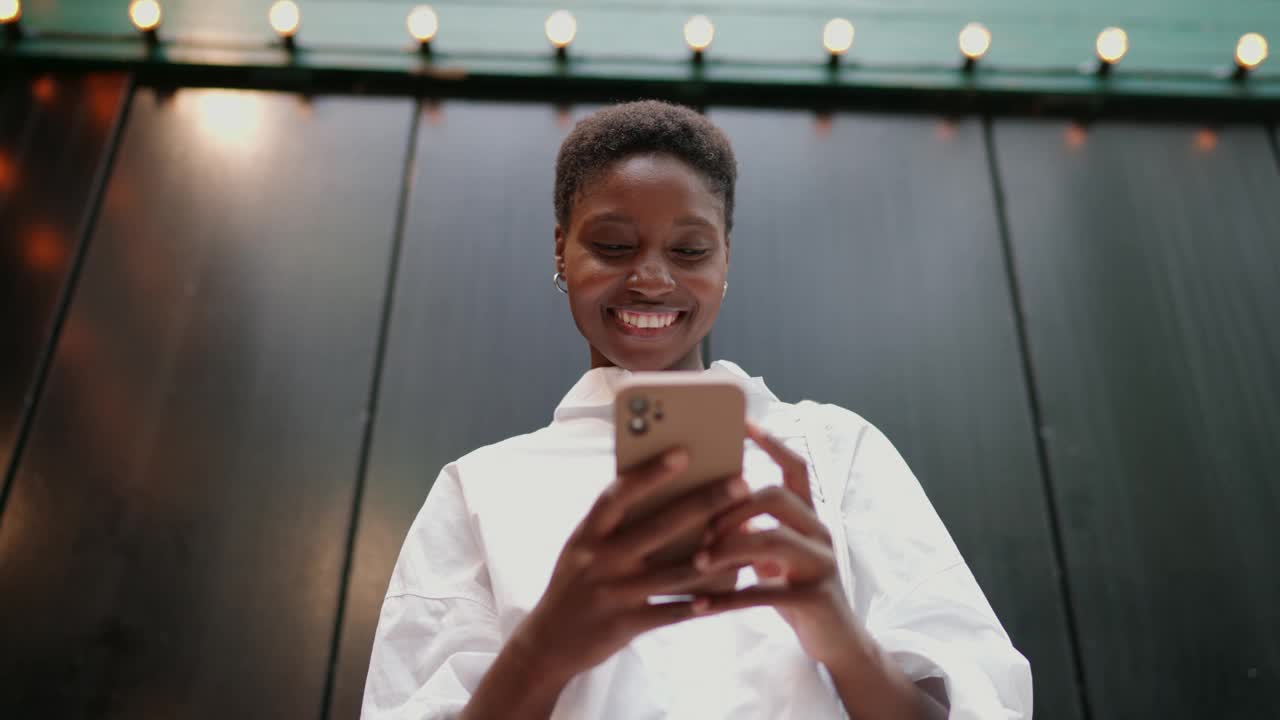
[
  {"x": 797, "y": 556},
  {"x": 597, "y": 599}
]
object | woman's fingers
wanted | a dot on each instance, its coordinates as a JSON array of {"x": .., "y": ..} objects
[
  {"x": 751, "y": 597},
  {"x": 630, "y": 488},
  {"x": 795, "y": 473},
  {"x": 691, "y": 512},
  {"x": 672, "y": 580},
  {"x": 650, "y": 617},
  {"x": 803, "y": 559},
  {"x": 779, "y": 502}
]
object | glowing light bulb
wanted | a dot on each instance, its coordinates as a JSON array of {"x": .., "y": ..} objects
[
  {"x": 975, "y": 40},
  {"x": 1112, "y": 44},
  {"x": 837, "y": 36},
  {"x": 698, "y": 33},
  {"x": 285, "y": 17},
  {"x": 1251, "y": 50},
  {"x": 10, "y": 11},
  {"x": 423, "y": 23},
  {"x": 145, "y": 14},
  {"x": 561, "y": 27}
]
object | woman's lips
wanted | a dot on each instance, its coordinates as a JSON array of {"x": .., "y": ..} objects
[{"x": 646, "y": 323}]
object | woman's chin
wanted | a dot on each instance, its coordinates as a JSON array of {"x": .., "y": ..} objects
[{"x": 648, "y": 359}]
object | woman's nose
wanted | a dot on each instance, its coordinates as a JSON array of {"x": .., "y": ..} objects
[{"x": 651, "y": 280}]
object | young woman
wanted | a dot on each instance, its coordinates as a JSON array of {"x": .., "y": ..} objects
[{"x": 517, "y": 595}]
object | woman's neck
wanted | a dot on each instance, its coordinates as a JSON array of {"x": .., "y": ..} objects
[{"x": 691, "y": 361}]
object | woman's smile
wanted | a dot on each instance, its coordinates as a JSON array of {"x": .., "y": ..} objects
[{"x": 646, "y": 323}]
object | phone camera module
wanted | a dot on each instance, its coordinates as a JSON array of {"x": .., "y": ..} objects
[
  {"x": 638, "y": 425},
  {"x": 638, "y": 405}
]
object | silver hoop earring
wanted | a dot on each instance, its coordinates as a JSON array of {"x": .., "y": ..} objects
[{"x": 556, "y": 280}]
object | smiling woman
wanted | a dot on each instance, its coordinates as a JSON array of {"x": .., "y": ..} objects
[
  {"x": 644, "y": 208},
  {"x": 496, "y": 611}
]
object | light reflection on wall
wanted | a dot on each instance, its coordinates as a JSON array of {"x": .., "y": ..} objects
[
  {"x": 228, "y": 119},
  {"x": 103, "y": 95},
  {"x": 1075, "y": 135},
  {"x": 8, "y": 174},
  {"x": 44, "y": 249},
  {"x": 45, "y": 89},
  {"x": 1206, "y": 139}
]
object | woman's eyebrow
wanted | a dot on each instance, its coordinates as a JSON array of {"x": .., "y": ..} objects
[
  {"x": 694, "y": 220},
  {"x": 610, "y": 216},
  {"x": 614, "y": 216}
]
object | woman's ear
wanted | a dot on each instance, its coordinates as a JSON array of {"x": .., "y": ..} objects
[{"x": 559, "y": 249}]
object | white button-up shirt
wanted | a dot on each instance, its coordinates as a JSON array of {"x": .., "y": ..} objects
[{"x": 481, "y": 552}]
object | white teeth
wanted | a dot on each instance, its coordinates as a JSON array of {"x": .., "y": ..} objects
[{"x": 647, "y": 320}]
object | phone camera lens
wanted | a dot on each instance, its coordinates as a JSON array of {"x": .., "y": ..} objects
[
  {"x": 638, "y": 405},
  {"x": 637, "y": 425}
]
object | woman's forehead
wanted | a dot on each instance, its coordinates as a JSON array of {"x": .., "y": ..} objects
[{"x": 652, "y": 182}]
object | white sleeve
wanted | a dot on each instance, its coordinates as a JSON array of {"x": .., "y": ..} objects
[
  {"x": 437, "y": 633},
  {"x": 917, "y": 596}
]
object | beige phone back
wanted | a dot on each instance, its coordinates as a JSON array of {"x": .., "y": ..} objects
[{"x": 654, "y": 412}]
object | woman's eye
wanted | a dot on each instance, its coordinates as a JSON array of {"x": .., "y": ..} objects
[
  {"x": 611, "y": 247},
  {"x": 691, "y": 252}
]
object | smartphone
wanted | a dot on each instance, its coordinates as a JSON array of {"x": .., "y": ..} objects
[{"x": 657, "y": 411}]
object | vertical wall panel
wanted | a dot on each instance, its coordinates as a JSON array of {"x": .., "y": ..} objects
[
  {"x": 174, "y": 538},
  {"x": 1149, "y": 260},
  {"x": 54, "y": 131},
  {"x": 481, "y": 346},
  {"x": 867, "y": 271}
]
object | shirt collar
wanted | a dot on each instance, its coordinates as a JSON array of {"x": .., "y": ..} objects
[{"x": 592, "y": 395}]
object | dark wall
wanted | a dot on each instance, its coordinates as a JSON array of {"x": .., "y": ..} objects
[
  {"x": 290, "y": 313},
  {"x": 54, "y": 133},
  {"x": 174, "y": 539},
  {"x": 1148, "y": 258}
]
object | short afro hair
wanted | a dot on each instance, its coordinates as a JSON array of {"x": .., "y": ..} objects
[{"x": 647, "y": 126}]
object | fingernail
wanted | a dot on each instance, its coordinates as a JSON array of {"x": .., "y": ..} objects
[
  {"x": 676, "y": 459},
  {"x": 701, "y": 605},
  {"x": 702, "y": 561},
  {"x": 738, "y": 488}
]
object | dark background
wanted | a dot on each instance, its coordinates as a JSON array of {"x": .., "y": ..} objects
[{"x": 242, "y": 330}]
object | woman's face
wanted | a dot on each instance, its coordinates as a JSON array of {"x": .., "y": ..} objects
[{"x": 645, "y": 258}]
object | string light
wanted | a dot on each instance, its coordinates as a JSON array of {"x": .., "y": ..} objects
[
  {"x": 10, "y": 12},
  {"x": 285, "y": 17},
  {"x": 698, "y": 34},
  {"x": 423, "y": 25},
  {"x": 837, "y": 37},
  {"x": 145, "y": 15},
  {"x": 975, "y": 40},
  {"x": 1112, "y": 45},
  {"x": 1251, "y": 50},
  {"x": 561, "y": 28}
]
